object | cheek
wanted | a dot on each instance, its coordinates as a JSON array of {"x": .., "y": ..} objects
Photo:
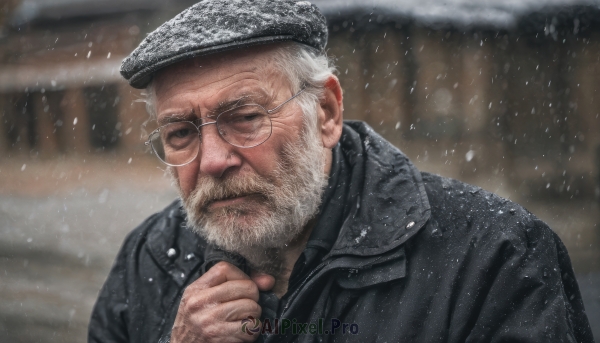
[
  {"x": 288, "y": 132},
  {"x": 187, "y": 177},
  {"x": 264, "y": 159},
  {"x": 261, "y": 160}
]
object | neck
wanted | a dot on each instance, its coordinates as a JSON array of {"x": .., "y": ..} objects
[{"x": 279, "y": 262}]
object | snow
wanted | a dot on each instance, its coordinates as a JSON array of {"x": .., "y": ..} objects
[
  {"x": 469, "y": 155},
  {"x": 488, "y": 13},
  {"x": 363, "y": 234}
]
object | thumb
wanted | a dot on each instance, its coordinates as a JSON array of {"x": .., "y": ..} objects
[{"x": 265, "y": 282}]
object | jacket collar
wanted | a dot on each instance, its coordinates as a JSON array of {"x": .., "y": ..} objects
[
  {"x": 175, "y": 248},
  {"x": 390, "y": 201},
  {"x": 389, "y": 207}
]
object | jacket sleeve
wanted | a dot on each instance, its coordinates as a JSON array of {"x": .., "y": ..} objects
[
  {"x": 109, "y": 318},
  {"x": 532, "y": 295}
]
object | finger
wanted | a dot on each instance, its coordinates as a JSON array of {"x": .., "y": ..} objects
[
  {"x": 225, "y": 321},
  {"x": 233, "y": 311},
  {"x": 265, "y": 282},
  {"x": 218, "y": 274},
  {"x": 198, "y": 299}
]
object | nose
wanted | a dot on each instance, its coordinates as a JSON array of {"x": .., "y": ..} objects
[{"x": 216, "y": 155}]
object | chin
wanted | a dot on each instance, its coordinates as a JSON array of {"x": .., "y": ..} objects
[
  {"x": 243, "y": 219},
  {"x": 237, "y": 229}
]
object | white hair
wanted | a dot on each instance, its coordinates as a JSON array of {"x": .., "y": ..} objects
[
  {"x": 303, "y": 67},
  {"x": 300, "y": 64}
]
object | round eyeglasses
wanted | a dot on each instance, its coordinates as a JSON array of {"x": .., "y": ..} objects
[{"x": 178, "y": 143}]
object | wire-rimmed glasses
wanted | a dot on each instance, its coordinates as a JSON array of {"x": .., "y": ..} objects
[{"x": 246, "y": 126}]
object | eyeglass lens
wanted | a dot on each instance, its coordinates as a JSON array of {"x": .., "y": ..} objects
[{"x": 178, "y": 143}]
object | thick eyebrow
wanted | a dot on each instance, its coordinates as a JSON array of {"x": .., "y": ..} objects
[
  {"x": 254, "y": 97},
  {"x": 251, "y": 97},
  {"x": 175, "y": 117}
]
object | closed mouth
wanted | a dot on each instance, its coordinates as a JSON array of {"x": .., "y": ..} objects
[{"x": 231, "y": 200}]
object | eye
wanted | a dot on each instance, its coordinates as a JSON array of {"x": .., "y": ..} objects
[
  {"x": 181, "y": 133},
  {"x": 243, "y": 117},
  {"x": 251, "y": 118}
]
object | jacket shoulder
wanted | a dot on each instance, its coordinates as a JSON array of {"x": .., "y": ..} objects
[
  {"x": 486, "y": 242},
  {"x": 139, "y": 235},
  {"x": 456, "y": 205}
]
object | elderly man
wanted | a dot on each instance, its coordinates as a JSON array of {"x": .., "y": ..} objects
[{"x": 294, "y": 226}]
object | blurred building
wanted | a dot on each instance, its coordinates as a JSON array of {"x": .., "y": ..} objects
[
  {"x": 59, "y": 74},
  {"x": 500, "y": 92}
]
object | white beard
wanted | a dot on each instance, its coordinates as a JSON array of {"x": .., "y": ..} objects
[{"x": 287, "y": 199}]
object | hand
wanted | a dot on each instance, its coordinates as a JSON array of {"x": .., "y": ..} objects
[{"x": 212, "y": 307}]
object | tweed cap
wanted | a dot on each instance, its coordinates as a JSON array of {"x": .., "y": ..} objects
[{"x": 212, "y": 26}]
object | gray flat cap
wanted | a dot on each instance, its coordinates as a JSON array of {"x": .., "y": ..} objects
[{"x": 212, "y": 26}]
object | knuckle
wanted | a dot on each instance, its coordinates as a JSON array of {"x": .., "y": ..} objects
[
  {"x": 255, "y": 308},
  {"x": 250, "y": 287},
  {"x": 251, "y": 306},
  {"x": 197, "y": 285},
  {"x": 221, "y": 267},
  {"x": 193, "y": 302},
  {"x": 197, "y": 303},
  {"x": 251, "y": 290}
]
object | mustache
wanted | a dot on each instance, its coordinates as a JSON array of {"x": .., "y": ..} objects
[{"x": 210, "y": 189}]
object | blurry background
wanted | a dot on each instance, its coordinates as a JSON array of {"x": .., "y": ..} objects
[{"x": 501, "y": 94}]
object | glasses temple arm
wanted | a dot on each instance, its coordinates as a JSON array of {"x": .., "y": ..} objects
[
  {"x": 285, "y": 102},
  {"x": 150, "y": 136}
]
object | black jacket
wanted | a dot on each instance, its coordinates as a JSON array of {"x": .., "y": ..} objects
[{"x": 417, "y": 258}]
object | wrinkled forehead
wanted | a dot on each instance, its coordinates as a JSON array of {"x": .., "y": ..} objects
[
  {"x": 205, "y": 85},
  {"x": 255, "y": 63}
]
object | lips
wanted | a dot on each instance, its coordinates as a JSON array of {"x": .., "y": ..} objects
[{"x": 232, "y": 200}]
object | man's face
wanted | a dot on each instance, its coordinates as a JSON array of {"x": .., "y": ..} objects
[{"x": 241, "y": 197}]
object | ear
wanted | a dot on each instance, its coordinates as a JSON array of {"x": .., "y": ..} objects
[{"x": 331, "y": 113}]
